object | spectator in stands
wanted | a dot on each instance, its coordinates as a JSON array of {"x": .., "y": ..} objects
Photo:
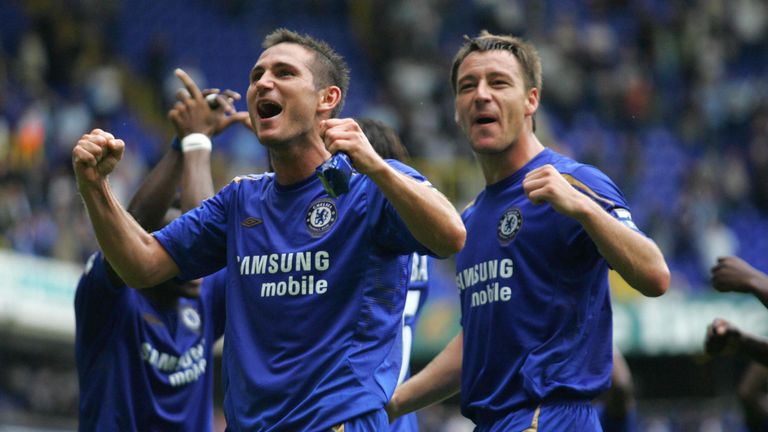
[{"x": 145, "y": 357}]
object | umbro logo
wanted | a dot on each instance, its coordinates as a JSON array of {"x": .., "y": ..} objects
[
  {"x": 151, "y": 319},
  {"x": 251, "y": 222}
]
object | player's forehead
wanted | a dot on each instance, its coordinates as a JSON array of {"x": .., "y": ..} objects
[
  {"x": 491, "y": 62},
  {"x": 287, "y": 54}
]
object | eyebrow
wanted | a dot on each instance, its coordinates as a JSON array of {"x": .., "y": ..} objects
[{"x": 276, "y": 65}]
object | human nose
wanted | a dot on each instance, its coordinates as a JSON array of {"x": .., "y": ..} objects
[
  {"x": 483, "y": 91},
  {"x": 265, "y": 82}
]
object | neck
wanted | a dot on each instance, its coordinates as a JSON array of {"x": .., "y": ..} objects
[
  {"x": 497, "y": 167},
  {"x": 297, "y": 160},
  {"x": 161, "y": 297}
]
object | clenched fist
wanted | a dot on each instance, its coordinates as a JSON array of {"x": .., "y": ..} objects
[{"x": 95, "y": 156}]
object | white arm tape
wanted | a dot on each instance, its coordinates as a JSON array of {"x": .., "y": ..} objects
[{"x": 196, "y": 141}]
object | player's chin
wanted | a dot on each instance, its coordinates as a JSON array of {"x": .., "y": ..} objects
[
  {"x": 190, "y": 292},
  {"x": 190, "y": 289}
]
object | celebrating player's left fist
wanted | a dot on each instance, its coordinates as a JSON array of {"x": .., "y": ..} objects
[
  {"x": 345, "y": 135},
  {"x": 546, "y": 184},
  {"x": 95, "y": 156}
]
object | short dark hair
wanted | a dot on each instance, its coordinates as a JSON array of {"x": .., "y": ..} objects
[
  {"x": 384, "y": 139},
  {"x": 328, "y": 68},
  {"x": 526, "y": 54}
]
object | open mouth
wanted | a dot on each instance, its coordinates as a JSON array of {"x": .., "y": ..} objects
[
  {"x": 268, "y": 109},
  {"x": 485, "y": 120}
]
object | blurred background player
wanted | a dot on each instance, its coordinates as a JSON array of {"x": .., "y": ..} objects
[
  {"x": 616, "y": 408},
  {"x": 733, "y": 274},
  {"x": 144, "y": 357},
  {"x": 388, "y": 145},
  {"x": 753, "y": 397}
]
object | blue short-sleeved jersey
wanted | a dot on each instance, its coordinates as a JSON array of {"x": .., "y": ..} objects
[
  {"x": 534, "y": 294},
  {"x": 315, "y": 294},
  {"x": 140, "y": 367},
  {"x": 418, "y": 290}
]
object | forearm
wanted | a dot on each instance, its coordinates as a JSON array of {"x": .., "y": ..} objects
[
  {"x": 427, "y": 213},
  {"x": 196, "y": 180},
  {"x": 751, "y": 387},
  {"x": 156, "y": 193},
  {"x": 759, "y": 287},
  {"x": 439, "y": 380},
  {"x": 754, "y": 347},
  {"x": 135, "y": 255},
  {"x": 636, "y": 258}
]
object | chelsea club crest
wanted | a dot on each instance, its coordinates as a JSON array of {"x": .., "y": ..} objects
[
  {"x": 321, "y": 216},
  {"x": 509, "y": 225},
  {"x": 190, "y": 318}
]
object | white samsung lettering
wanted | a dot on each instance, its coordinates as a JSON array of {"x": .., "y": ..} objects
[
  {"x": 286, "y": 262},
  {"x": 272, "y": 268},
  {"x": 322, "y": 260},
  {"x": 507, "y": 268},
  {"x": 303, "y": 261},
  {"x": 306, "y": 261},
  {"x": 484, "y": 272},
  {"x": 188, "y": 367}
]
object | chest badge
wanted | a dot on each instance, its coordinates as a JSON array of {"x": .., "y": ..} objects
[
  {"x": 509, "y": 225},
  {"x": 190, "y": 318},
  {"x": 321, "y": 216}
]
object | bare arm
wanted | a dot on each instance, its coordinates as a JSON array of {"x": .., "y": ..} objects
[
  {"x": 619, "y": 399},
  {"x": 155, "y": 195},
  {"x": 636, "y": 258},
  {"x": 734, "y": 274},
  {"x": 427, "y": 213},
  {"x": 439, "y": 380},
  {"x": 137, "y": 257},
  {"x": 752, "y": 394},
  {"x": 724, "y": 337}
]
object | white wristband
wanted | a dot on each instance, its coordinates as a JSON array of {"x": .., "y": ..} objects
[{"x": 196, "y": 141}]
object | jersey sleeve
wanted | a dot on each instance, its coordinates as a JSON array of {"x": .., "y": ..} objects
[
  {"x": 598, "y": 186},
  {"x": 215, "y": 291},
  {"x": 601, "y": 189},
  {"x": 390, "y": 230},
  {"x": 96, "y": 298},
  {"x": 197, "y": 240}
]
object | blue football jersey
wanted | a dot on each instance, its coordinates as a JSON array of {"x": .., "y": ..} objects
[
  {"x": 141, "y": 367},
  {"x": 535, "y": 303},
  {"x": 315, "y": 294},
  {"x": 418, "y": 290}
]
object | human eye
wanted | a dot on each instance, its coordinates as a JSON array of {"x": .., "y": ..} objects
[
  {"x": 256, "y": 75},
  {"x": 284, "y": 72}
]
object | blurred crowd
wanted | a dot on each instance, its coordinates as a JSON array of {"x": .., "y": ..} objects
[{"x": 667, "y": 97}]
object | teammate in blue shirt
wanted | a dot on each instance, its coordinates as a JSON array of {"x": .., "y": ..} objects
[
  {"x": 387, "y": 144},
  {"x": 144, "y": 358},
  {"x": 532, "y": 278},
  {"x": 315, "y": 285}
]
